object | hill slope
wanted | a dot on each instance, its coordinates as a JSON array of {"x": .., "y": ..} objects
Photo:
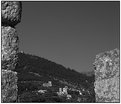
[{"x": 33, "y": 71}]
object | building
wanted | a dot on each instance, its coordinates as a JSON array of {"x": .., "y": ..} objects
[
  {"x": 49, "y": 84},
  {"x": 63, "y": 91},
  {"x": 69, "y": 96},
  {"x": 42, "y": 91}
]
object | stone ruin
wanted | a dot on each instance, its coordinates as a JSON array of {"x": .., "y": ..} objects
[
  {"x": 10, "y": 17},
  {"x": 106, "y": 64},
  {"x": 107, "y": 88}
]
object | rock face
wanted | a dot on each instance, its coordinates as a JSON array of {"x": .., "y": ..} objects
[
  {"x": 9, "y": 48},
  {"x": 107, "y": 76},
  {"x": 9, "y": 86},
  {"x": 11, "y": 16},
  {"x": 11, "y": 12}
]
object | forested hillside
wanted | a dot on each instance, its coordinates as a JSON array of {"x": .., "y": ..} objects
[{"x": 33, "y": 71}]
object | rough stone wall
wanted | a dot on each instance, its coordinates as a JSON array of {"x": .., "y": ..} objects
[
  {"x": 107, "y": 76},
  {"x": 9, "y": 47},
  {"x": 11, "y": 16},
  {"x": 9, "y": 83}
]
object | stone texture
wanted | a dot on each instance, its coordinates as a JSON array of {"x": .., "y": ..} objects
[
  {"x": 11, "y": 12},
  {"x": 10, "y": 16},
  {"x": 107, "y": 76},
  {"x": 9, "y": 48},
  {"x": 8, "y": 86}
]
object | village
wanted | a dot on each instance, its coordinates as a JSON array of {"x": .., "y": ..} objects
[{"x": 61, "y": 91}]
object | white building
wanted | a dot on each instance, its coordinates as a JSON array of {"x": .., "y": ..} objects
[
  {"x": 69, "y": 96},
  {"x": 63, "y": 91},
  {"x": 42, "y": 91},
  {"x": 49, "y": 84}
]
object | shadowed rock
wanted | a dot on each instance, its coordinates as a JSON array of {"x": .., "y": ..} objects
[
  {"x": 107, "y": 76},
  {"x": 11, "y": 12}
]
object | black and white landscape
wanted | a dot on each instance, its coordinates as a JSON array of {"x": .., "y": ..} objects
[
  {"x": 41, "y": 80},
  {"x": 58, "y": 43}
]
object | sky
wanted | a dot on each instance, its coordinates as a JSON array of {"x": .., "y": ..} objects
[{"x": 69, "y": 33}]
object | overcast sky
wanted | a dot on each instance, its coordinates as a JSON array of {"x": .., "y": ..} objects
[{"x": 69, "y": 33}]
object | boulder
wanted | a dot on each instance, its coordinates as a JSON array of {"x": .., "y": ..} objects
[{"x": 11, "y": 12}]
